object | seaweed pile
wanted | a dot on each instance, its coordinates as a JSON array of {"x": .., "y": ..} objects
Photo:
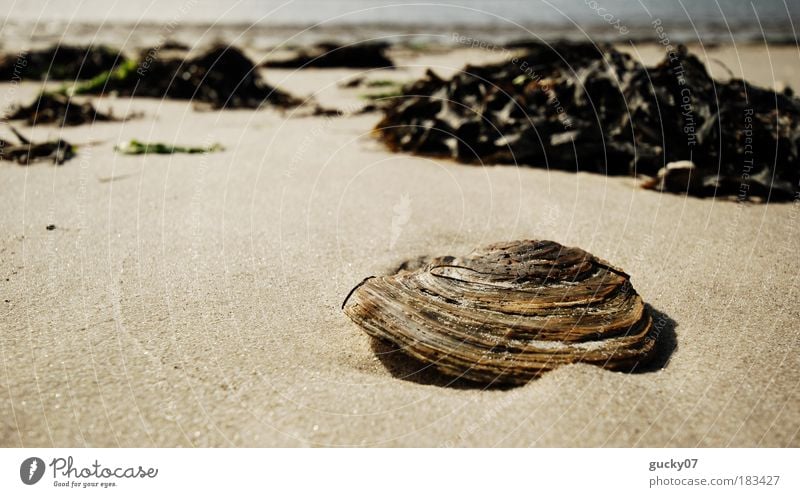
[
  {"x": 509, "y": 312},
  {"x": 582, "y": 107},
  {"x": 327, "y": 55},
  {"x": 51, "y": 108},
  {"x": 60, "y": 62},
  {"x": 222, "y": 77},
  {"x": 26, "y": 152}
]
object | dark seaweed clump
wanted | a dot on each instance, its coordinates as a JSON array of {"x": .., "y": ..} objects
[
  {"x": 583, "y": 107},
  {"x": 327, "y": 55},
  {"x": 222, "y": 77},
  {"x": 27, "y": 152},
  {"x": 61, "y": 62},
  {"x": 51, "y": 108}
]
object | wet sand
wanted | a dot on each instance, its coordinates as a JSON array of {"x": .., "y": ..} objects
[{"x": 195, "y": 301}]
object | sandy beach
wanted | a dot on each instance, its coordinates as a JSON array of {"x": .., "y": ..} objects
[{"x": 195, "y": 300}]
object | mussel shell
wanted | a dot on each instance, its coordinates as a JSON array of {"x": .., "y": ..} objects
[{"x": 509, "y": 312}]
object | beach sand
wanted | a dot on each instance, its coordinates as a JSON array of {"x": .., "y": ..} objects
[{"x": 195, "y": 300}]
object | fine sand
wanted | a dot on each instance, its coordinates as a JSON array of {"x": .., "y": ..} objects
[{"x": 195, "y": 300}]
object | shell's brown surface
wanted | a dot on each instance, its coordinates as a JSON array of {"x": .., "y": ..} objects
[{"x": 508, "y": 312}]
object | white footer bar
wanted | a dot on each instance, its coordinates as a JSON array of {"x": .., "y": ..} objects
[{"x": 401, "y": 472}]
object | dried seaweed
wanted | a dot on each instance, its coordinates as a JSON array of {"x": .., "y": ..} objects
[
  {"x": 135, "y": 147},
  {"x": 60, "y": 62},
  {"x": 26, "y": 152},
  {"x": 583, "y": 107},
  {"x": 51, "y": 108},
  {"x": 328, "y": 55},
  {"x": 222, "y": 77}
]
